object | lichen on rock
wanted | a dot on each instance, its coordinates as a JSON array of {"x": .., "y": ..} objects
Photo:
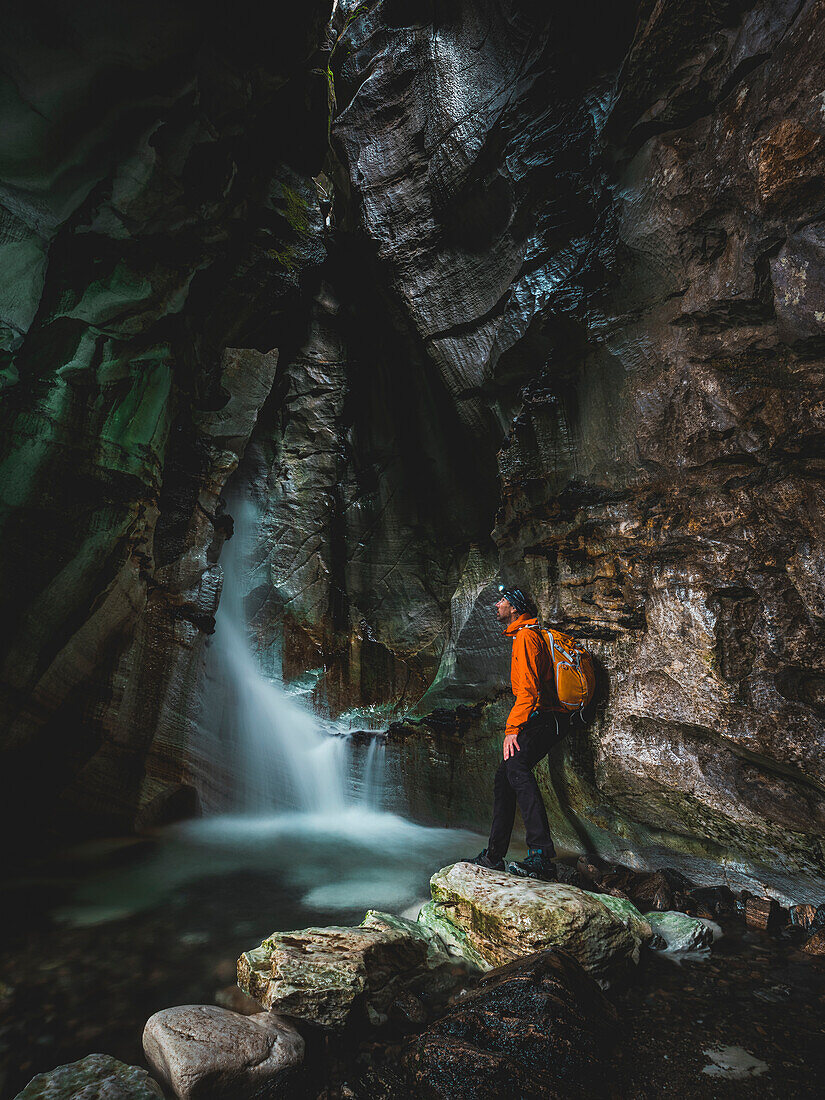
[
  {"x": 505, "y": 917},
  {"x": 96, "y": 1077},
  {"x": 326, "y": 975}
]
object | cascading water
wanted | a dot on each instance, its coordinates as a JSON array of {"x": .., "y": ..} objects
[
  {"x": 295, "y": 825},
  {"x": 274, "y": 754}
]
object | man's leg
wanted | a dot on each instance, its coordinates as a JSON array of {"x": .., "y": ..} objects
[
  {"x": 504, "y": 813},
  {"x": 514, "y": 780},
  {"x": 534, "y": 744}
]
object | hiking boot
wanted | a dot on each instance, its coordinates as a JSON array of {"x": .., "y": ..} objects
[
  {"x": 537, "y": 865},
  {"x": 484, "y": 860}
]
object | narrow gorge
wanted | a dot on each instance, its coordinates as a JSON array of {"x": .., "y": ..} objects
[{"x": 416, "y": 299}]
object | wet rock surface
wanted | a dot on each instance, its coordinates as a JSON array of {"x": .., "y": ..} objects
[
  {"x": 679, "y": 931},
  {"x": 505, "y": 917},
  {"x": 538, "y": 1027},
  {"x": 68, "y": 990},
  {"x": 325, "y": 975},
  {"x": 454, "y": 938}
]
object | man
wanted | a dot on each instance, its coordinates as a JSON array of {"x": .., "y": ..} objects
[{"x": 535, "y": 723}]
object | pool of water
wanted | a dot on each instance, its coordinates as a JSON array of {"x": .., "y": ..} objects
[
  {"x": 108, "y": 933},
  {"x": 323, "y": 867}
]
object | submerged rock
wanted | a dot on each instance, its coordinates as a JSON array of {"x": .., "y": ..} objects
[
  {"x": 324, "y": 975},
  {"x": 97, "y": 1077},
  {"x": 733, "y": 1064},
  {"x": 538, "y": 1027},
  {"x": 203, "y": 1050},
  {"x": 680, "y": 932},
  {"x": 505, "y": 918}
]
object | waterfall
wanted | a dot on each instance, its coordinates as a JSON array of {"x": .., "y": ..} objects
[
  {"x": 292, "y": 807},
  {"x": 269, "y": 753}
]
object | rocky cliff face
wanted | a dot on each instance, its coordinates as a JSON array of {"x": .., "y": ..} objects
[
  {"x": 612, "y": 232},
  {"x": 565, "y": 326}
]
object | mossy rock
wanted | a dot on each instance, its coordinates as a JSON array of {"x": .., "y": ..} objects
[
  {"x": 455, "y": 939},
  {"x": 327, "y": 975},
  {"x": 680, "y": 932},
  {"x": 96, "y": 1077},
  {"x": 505, "y": 917}
]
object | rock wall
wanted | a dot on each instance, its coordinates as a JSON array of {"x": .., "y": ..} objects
[
  {"x": 601, "y": 236},
  {"x": 159, "y": 223}
]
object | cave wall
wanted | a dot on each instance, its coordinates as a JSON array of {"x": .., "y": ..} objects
[
  {"x": 603, "y": 240},
  {"x": 159, "y": 223}
]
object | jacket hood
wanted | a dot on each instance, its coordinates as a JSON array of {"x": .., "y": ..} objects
[{"x": 517, "y": 624}]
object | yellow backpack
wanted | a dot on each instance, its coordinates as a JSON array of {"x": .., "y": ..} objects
[{"x": 573, "y": 669}]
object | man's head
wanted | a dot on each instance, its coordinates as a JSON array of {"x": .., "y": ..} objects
[{"x": 512, "y": 603}]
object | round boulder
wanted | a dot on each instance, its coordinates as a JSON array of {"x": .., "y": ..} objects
[{"x": 205, "y": 1051}]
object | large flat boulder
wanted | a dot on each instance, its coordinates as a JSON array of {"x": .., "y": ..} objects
[
  {"x": 506, "y": 917},
  {"x": 207, "y": 1052},
  {"x": 324, "y": 975},
  {"x": 96, "y": 1077}
]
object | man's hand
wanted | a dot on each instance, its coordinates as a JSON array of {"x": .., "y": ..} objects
[{"x": 511, "y": 745}]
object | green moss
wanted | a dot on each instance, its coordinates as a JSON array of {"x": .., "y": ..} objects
[
  {"x": 456, "y": 939},
  {"x": 295, "y": 210},
  {"x": 331, "y": 101},
  {"x": 285, "y": 257},
  {"x": 368, "y": 5},
  {"x": 627, "y": 913}
]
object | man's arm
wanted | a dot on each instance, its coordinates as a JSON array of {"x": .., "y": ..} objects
[{"x": 526, "y": 684}]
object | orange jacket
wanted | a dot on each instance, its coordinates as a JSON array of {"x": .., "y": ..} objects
[{"x": 531, "y": 673}]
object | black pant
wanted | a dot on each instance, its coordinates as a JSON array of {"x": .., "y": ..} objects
[{"x": 515, "y": 782}]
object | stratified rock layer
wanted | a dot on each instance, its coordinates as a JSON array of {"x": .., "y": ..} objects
[
  {"x": 632, "y": 272},
  {"x": 557, "y": 318},
  {"x": 157, "y": 214}
]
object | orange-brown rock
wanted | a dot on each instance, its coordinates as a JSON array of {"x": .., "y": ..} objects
[
  {"x": 763, "y": 913},
  {"x": 815, "y": 945}
]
